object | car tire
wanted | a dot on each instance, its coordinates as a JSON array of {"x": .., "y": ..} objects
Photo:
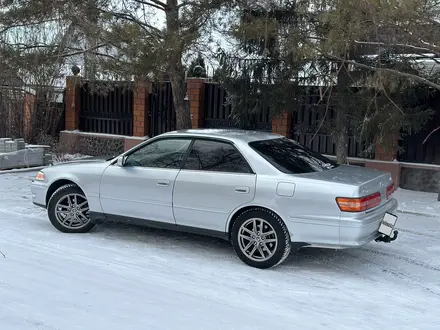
[
  {"x": 263, "y": 249},
  {"x": 68, "y": 210}
]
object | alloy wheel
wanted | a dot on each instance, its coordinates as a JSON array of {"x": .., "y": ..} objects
[
  {"x": 72, "y": 211},
  {"x": 257, "y": 239}
]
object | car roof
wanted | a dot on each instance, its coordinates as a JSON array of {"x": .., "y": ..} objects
[{"x": 240, "y": 135}]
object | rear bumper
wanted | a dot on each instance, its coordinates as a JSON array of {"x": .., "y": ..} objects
[
  {"x": 39, "y": 193},
  {"x": 359, "y": 229}
]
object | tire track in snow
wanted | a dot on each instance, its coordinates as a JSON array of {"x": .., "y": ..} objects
[
  {"x": 403, "y": 276},
  {"x": 335, "y": 260},
  {"x": 420, "y": 234},
  {"x": 403, "y": 258}
]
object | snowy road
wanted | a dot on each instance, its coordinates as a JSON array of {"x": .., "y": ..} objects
[{"x": 120, "y": 277}]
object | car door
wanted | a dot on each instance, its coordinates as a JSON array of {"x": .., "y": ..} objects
[
  {"x": 214, "y": 181},
  {"x": 143, "y": 187}
]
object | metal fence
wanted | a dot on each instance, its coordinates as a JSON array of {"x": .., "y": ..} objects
[
  {"x": 12, "y": 105},
  {"x": 218, "y": 114},
  {"x": 162, "y": 117},
  {"x": 313, "y": 121},
  {"x": 413, "y": 150},
  {"x": 106, "y": 108},
  {"x": 50, "y": 115}
]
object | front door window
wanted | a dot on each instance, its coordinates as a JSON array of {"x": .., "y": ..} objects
[{"x": 164, "y": 153}]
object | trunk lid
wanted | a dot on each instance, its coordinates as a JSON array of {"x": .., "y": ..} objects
[{"x": 368, "y": 180}]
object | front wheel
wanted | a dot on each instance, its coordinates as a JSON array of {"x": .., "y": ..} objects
[
  {"x": 260, "y": 238},
  {"x": 68, "y": 210}
]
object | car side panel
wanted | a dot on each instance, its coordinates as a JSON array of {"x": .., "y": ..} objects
[
  {"x": 311, "y": 213},
  {"x": 138, "y": 192},
  {"x": 204, "y": 199},
  {"x": 85, "y": 176}
]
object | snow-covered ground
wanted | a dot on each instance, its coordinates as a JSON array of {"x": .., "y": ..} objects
[
  {"x": 417, "y": 202},
  {"x": 120, "y": 277}
]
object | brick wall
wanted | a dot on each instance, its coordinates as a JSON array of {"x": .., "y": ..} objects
[
  {"x": 140, "y": 110},
  {"x": 387, "y": 150},
  {"x": 282, "y": 124},
  {"x": 29, "y": 107},
  {"x": 196, "y": 93},
  {"x": 72, "y": 100}
]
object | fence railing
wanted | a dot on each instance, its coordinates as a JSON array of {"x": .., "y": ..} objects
[
  {"x": 218, "y": 114},
  {"x": 111, "y": 112},
  {"x": 12, "y": 103},
  {"x": 108, "y": 110},
  {"x": 414, "y": 148},
  {"x": 415, "y": 151},
  {"x": 311, "y": 125},
  {"x": 162, "y": 117},
  {"x": 50, "y": 115}
]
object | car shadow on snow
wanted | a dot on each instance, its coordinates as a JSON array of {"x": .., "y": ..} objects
[
  {"x": 163, "y": 239},
  {"x": 216, "y": 248}
]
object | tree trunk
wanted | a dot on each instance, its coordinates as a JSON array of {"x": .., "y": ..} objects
[
  {"x": 176, "y": 71},
  {"x": 342, "y": 114},
  {"x": 341, "y": 135},
  {"x": 183, "y": 114}
]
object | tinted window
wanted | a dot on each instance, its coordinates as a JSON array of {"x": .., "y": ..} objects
[
  {"x": 166, "y": 153},
  {"x": 216, "y": 156},
  {"x": 290, "y": 157}
]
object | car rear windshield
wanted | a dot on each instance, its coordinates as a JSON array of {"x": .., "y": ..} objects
[{"x": 290, "y": 157}]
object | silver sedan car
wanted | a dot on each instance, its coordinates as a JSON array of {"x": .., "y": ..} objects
[{"x": 263, "y": 192}]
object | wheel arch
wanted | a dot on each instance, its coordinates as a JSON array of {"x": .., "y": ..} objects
[
  {"x": 236, "y": 213},
  {"x": 54, "y": 186}
]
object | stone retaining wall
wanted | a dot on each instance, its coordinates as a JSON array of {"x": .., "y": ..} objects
[
  {"x": 425, "y": 179},
  {"x": 94, "y": 144}
]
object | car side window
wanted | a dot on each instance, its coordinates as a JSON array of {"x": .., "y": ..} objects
[
  {"x": 207, "y": 155},
  {"x": 165, "y": 153}
]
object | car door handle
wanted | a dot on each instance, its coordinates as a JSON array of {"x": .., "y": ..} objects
[
  {"x": 163, "y": 183},
  {"x": 242, "y": 190}
]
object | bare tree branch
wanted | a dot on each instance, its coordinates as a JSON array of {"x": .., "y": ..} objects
[
  {"x": 432, "y": 132},
  {"x": 145, "y": 26},
  {"x": 79, "y": 52},
  {"x": 395, "y": 72},
  {"x": 153, "y": 3}
]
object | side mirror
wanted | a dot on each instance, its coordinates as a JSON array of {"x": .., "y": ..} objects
[{"x": 120, "y": 161}]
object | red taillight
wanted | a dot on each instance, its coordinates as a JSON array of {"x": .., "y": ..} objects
[
  {"x": 359, "y": 204},
  {"x": 390, "y": 190}
]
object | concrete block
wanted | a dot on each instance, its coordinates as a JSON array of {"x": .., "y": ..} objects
[
  {"x": 19, "y": 144},
  {"x": 9, "y": 146}
]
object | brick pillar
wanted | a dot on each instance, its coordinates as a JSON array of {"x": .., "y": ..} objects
[
  {"x": 196, "y": 95},
  {"x": 72, "y": 102},
  {"x": 29, "y": 107},
  {"x": 140, "y": 109},
  {"x": 387, "y": 149},
  {"x": 282, "y": 124}
]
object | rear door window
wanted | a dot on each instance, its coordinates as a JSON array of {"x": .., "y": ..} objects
[
  {"x": 290, "y": 157},
  {"x": 210, "y": 155}
]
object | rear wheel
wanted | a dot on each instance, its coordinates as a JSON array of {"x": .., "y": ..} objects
[
  {"x": 260, "y": 238},
  {"x": 68, "y": 210}
]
